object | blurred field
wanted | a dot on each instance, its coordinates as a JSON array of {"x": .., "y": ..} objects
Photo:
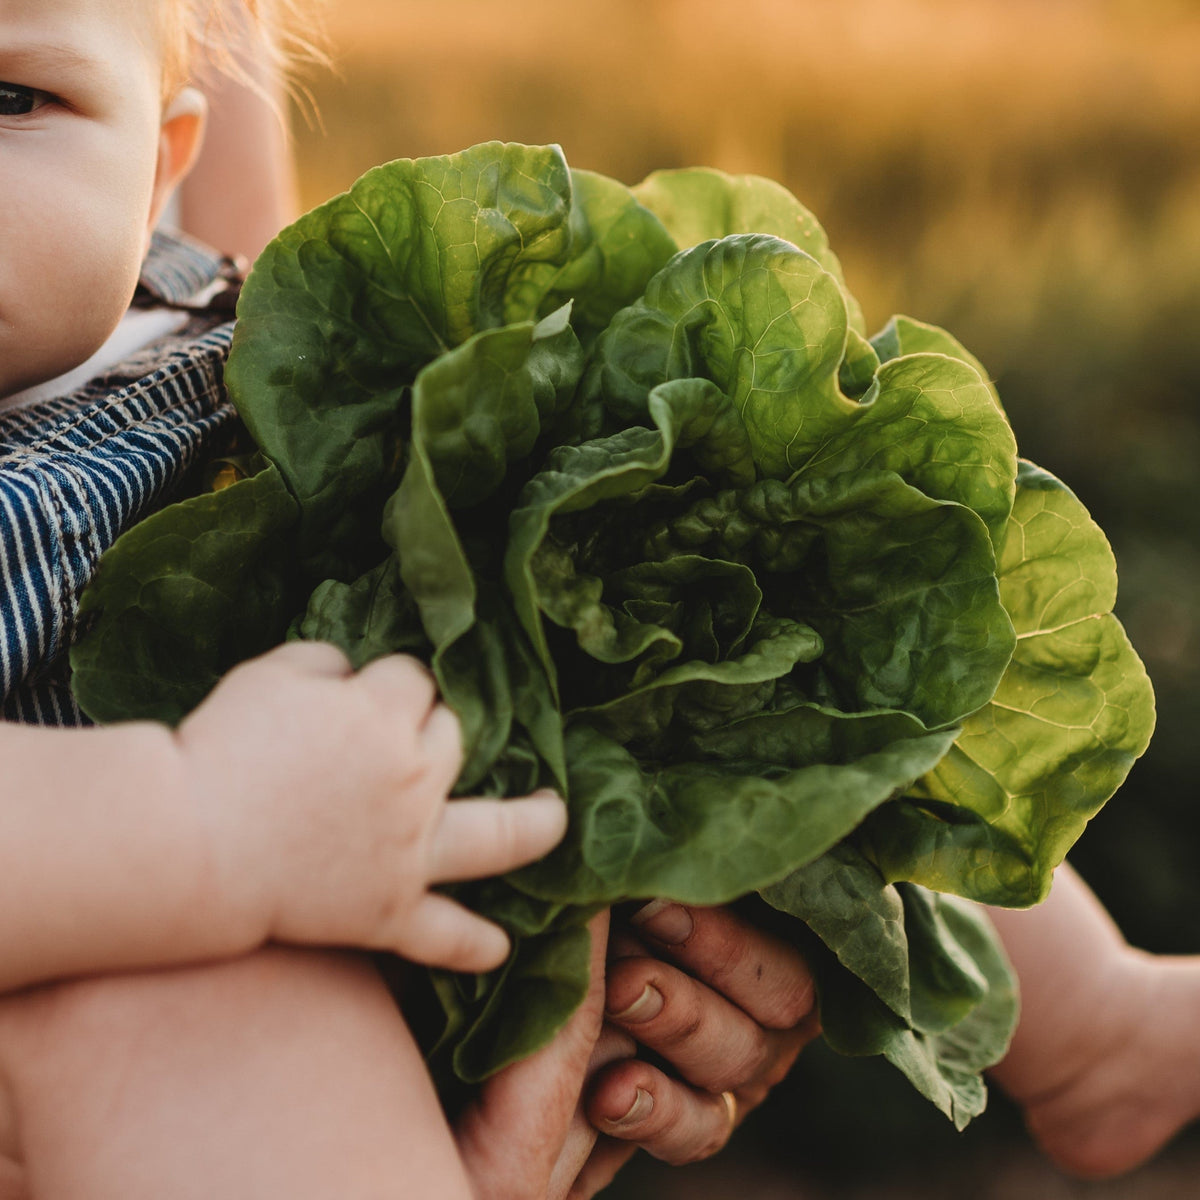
[
  {"x": 1025, "y": 172},
  {"x": 943, "y": 144}
]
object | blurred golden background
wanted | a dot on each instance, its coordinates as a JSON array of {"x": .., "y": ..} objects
[
  {"x": 984, "y": 159},
  {"x": 1025, "y": 172}
]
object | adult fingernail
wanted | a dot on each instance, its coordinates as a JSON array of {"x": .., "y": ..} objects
[
  {"x": 648, "y": 1004},
  {"x": 639, "y": 1110},
  {"x": 664, "y": 921}
]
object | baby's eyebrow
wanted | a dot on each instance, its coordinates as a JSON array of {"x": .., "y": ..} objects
[{"x": 43, "y": 56}]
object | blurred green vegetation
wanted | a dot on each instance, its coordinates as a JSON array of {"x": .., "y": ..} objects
[{"x": 1024, "y": 172}]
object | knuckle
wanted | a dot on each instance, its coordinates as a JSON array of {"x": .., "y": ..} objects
[
  {"x": 777, "y": 1071},
  {"x": 726, "y": 958},
  {"x": 742, "y": 1064},
  {"x": 681, "y": 1019},
  {"x": 783, "y": 1050},
  {"x": 788, "y": 1005},
  {"x": 758, "y": 1060},
  {"x": 506, "y": 833},
  {"x": 387, "y": 914},
  {"x": 697, "y": 1150}
]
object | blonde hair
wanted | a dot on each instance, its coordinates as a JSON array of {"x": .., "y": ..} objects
[{"x": 238, "y": 38}]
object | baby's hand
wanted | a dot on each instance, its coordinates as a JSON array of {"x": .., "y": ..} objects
[
  {"x": 1103, "y": 1061},
  {"x": 1127, "y": 1082},
  {"x": 323, "y": 796}
]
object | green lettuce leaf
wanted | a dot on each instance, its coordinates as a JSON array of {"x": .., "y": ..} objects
[
  {"x": 771, "y": 602},
  {"x": 617, "y": 246},
  {"x": 883, "y": 572},
  {"x": 697, "y": 204},
  {"x": 706, "y": 832},
  {"x": 765, "y": 322},
  {"x": 185, "y": 596},
  {"x": 523, "y": 1006},
  {"x": 1071, "y": 714},
  {"x": 904, "y": 973}
]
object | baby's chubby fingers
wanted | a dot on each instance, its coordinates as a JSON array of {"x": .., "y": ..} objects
[
  {"x": 401, "y": 684},
  {"x": 322, "y": 797},
  {"x": 477, "y": 838},
  {"x": 307, "y": 658},
  {"x": 440, "y": 932}
]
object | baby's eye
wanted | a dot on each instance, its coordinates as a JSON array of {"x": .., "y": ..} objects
[{"x": 19, "y": 101}]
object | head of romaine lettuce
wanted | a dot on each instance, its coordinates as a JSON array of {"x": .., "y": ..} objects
[{"x": 775, "y": 604}]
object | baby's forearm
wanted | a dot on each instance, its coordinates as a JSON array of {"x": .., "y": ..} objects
[
  {"x": 1103, "y": 1060},
  {"x": 102, "y": 856},
  {"x": 1069, "y": 958}
]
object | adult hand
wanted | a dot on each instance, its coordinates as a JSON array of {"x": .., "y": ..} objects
[
  {"x": 727, "y": 1006},
  {"x": 729, "y": 1012},
  {"x": 526, "y": 1135}
]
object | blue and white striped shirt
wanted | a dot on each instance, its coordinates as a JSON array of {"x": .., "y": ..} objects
[{"x": 78, "y": 470}]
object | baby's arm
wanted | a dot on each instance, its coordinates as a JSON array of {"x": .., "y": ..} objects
[
  {"x": 301, "y": 802},
  {"x": 284, "y": 1073},
  {"x": 1104, "y": 1059}
]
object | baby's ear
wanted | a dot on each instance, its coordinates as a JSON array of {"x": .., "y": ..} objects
[{"x": 178, "y": 145}]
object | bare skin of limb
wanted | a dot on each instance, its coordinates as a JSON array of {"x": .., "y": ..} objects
[
  {"x": 1104, "y": 1060},
  {"x": 285, "y": 1073},
  {"x": 135, "y": 846},
  {"x": 145, "y": 875}
]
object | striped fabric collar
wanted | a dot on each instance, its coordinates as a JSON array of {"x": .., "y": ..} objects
[{"x": 178, "y": 269}]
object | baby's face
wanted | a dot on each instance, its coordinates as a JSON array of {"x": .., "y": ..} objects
[{"x": 80, "y": 116}]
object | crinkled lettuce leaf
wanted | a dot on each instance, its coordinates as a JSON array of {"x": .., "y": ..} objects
[
  {"x": 771, "y": 602},
  {"x": 905, "y": 973},
  {"x": 184, "y": 596},
  {"x": 697, "y": 204},
  {"x": 1070, "y": 716}
]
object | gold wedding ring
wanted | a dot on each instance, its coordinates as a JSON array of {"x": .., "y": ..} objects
[{"x": 731, "y": 1109}]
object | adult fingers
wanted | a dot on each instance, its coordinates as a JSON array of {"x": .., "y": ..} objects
[
  {"x": 606, "y": 1159},
  {"x": 514, "y": 1131},
  {"x": 606, "y": 1156},
  {"x": 582, "y": 1137},
  {"x": 622, "y": 944},
  {"x": 634, "y": 1102},
  {"x": 708, "y": 1040},
  {"x": 478, "y": 838},
  {"x": 762, "y": 975}
]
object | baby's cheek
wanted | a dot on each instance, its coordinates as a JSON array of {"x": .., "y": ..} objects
[{"x": 85, "y": 290}]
